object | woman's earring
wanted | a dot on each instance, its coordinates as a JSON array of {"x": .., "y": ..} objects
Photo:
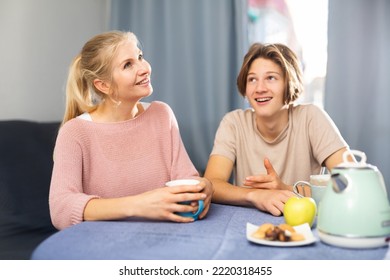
[{"x": 117, "y": 103}]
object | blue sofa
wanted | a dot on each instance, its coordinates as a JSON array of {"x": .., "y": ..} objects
[{"x": 26, "y": 160}]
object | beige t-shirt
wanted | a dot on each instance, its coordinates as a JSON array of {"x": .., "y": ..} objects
[{"x": 299, "y": 151}]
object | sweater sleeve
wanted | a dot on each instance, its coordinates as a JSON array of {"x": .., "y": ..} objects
[{"x": 66, "y": 197}]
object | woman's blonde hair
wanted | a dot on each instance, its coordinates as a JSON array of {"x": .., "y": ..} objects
[
  {"x": 93, "y": 62},
  {"x": 281, "y": 55}
]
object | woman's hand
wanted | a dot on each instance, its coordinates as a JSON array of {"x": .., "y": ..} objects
[
  {"x": 162, "y": 203},
  {"x": 269, "y": 181},
  {"x": 208, "y": 190}
]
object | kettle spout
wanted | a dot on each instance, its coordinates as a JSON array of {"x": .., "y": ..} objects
[{"x": 339, "y": 182}]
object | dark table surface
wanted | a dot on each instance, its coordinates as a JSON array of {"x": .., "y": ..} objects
[{"x": 219, "y": 236}]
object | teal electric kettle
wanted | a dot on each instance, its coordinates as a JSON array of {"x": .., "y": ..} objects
[{"x": 355, "y": 211}]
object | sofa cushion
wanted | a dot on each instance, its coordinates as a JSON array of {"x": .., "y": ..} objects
[{"x": 26, "y": 161}]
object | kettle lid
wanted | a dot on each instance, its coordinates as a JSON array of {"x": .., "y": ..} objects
[{"x": 362, "y": 164}]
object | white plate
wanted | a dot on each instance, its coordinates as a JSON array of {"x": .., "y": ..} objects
[{"x": 302, "y": 229}]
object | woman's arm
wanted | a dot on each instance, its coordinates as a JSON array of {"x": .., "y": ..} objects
[{"x": 157, "y": 204}]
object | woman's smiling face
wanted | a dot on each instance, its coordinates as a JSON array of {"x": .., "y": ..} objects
[
  {"x": 265, "y": 87},
  {"x": 131, "y": 73}
]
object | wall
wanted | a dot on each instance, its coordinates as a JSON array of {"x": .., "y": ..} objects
[{"x": 39, "y": 38}]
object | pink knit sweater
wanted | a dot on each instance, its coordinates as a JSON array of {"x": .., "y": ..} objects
[{"x": 110, "y": 160}]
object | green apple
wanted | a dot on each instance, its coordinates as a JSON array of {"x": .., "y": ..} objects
[{"x": 300, "y": 210}]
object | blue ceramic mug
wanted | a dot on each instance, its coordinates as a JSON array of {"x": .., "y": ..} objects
[{"x": 183, "y": 182}]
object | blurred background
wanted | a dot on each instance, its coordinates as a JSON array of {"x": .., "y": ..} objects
[{"x": 196, "y": 48}]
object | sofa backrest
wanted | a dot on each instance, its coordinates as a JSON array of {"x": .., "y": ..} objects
[{"x": 26, "y": 161}]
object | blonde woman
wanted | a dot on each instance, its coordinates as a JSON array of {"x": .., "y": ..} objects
[{"x": 114, "y": 153}]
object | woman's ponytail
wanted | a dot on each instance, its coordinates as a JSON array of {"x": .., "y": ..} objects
[{"x": 79, "y": 98}]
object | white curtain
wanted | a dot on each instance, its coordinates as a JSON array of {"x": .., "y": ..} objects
[
  {"x": 195, "y": 48},
  {"x": 357, "y": 94}
]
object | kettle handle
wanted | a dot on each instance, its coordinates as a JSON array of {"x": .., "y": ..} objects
[
  {"x": 360, "y": 154},
  {"x": 295, "y": 188}
]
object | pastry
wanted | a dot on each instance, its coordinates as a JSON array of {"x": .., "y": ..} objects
[{"x": 282, "y": 233}]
